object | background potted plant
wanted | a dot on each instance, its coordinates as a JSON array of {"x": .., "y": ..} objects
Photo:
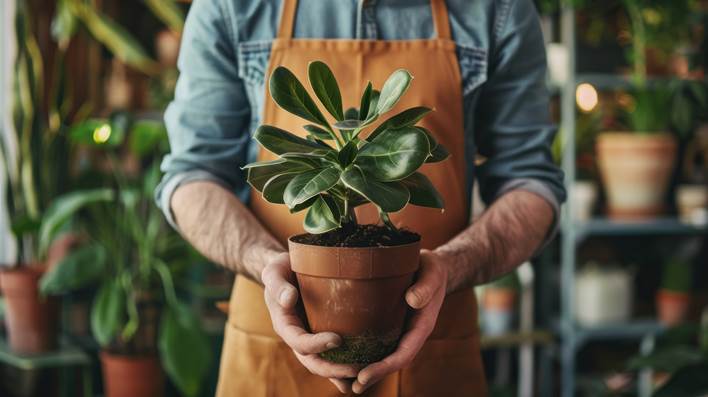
[
  {"x": 499, "y": 303},
  {"x": 603, "y": 295},
  {"x": 673, "y": 299},
  {"x": 136, "y": 317},
  {"x": 329, "y": 174}
]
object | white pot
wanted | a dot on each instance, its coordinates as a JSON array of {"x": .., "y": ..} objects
[
  {"x": 692, "y": 202},
  {"x": 557, "y": 63},
  {"x": 584, "y": 196},
  {"x": 603, "y": 296}
]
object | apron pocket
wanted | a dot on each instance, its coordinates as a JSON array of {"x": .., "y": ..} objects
[{"x": 446, "y": 367}]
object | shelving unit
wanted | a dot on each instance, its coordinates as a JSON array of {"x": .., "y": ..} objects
[{"x": 572, "y": 336}]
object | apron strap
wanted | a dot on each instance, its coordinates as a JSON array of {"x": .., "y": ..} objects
[
  {"x": 287, "y": 19},
  {"x": 441, "y": 19}
]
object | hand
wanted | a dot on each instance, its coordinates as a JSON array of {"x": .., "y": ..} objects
[
  {"x": 281, "y": 298},
  {"x": 425, "y": 297}
]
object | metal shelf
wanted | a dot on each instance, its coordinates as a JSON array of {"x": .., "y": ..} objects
[
  {"x": 65, "y": 355},
  {"x": 653, "y": 227},
  {"x": 512, "y": 339},
  {"x": 636, "y": 329}
]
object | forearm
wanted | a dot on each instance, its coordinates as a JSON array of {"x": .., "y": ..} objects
[
  {"x": 224, "y": 230},
  {"x": 505, "y": 236}
]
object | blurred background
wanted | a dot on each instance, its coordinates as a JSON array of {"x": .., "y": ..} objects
[{"x": 616, "y": 305}]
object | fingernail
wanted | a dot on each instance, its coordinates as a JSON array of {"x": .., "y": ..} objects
[
  {"x": 413, "y": 298},
  {"x": 331, "y": 345}
]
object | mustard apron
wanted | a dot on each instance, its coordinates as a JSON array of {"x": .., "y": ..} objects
[{"x": 255, "y": 361}]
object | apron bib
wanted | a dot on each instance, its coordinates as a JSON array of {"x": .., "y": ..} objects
[{"x": 255, "y": 362}]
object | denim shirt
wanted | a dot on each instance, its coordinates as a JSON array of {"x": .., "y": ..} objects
[{"x": 223, "y": 61}]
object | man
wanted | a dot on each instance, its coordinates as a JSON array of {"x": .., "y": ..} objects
[{"x": 479, "y": 63}]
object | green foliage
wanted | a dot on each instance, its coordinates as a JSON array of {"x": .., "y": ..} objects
[
  {"x": 677, "y": 276},
  {"x": 330, "y": 182}
]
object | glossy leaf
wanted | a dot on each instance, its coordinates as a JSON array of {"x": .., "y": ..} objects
[
  {"x": 309, "y": 184},
  {"x": 350, "y": 124},
  {"x": 438, "y": 154},
  {"x": 365, "y": 101},
  {"x": 348, "y": 153},
  {"x": 394, "y": 155},
  {"x": 375, "y": 94},
  {"x": 303, "y": 206},
  {"x": 388, "y": 196},
  {"x": 406, "y": 118},
  {"x": 422, "y": 191},
  {"x": 326, "y": 88},
  {"x": 185, "y": 350},
  {"x": 279, "y": 141},
  {"x": 318, "y": 132},
  {"x": 290, "y": 94},
  {"x": 393, "y": 89},
  {"x": 80, "y": 268},
  {"x": 63, "y": 208},
  {"x": 275, "y": 188},
  {"x": 259, "y": 173},
  {"x": 108, "y": 311},
  {"x": 351, "y": 114},
  {"x": 322, "y": 216}
]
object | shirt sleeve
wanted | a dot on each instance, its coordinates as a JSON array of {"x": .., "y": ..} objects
[
  {"x": 208, "y": 120},
  {"x": 514, "y": 132}
]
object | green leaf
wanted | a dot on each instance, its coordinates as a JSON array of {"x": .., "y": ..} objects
[
  {"x": 304, "y": 205},
  {"x": 351, "y": 124},
  {"x": 63, "y": 208},
  {"x": 388, "y": 196},
  {"x": 351, "y": 114},
  {"x": 669, "y": 359},
  {"x": 280, "y": 141},
  {"x": 438, "y": 154},
  {"x": 146, "y": 136},
  {"x": 406, "y": 118},
  {"x": 326, "y": 88},
  {"x": 78, "y": 269},
  {"x": 289, "y": 94},
  {"x": 322, "y": 216},
  {"x": 365, "y": 101},
  {"x": 318, "y": 132},
  {"x": 275, "y": 188},
  {"x": 259, "y": 173},
  {"x": 185, "y": 351},
  {"x": 24, "y": 225},
  {"x": 168, "y": 12},
  {"x": 309, "y": 184},
  {"x": 348, "y": 153},
  {"x": 97, "y": 132},
  {"x": 690, "y": 381},
  {"x": 64, "y": 24},
  {"x": 108, "y": 311},
  {"x": 375, "y": 94},
  {"x": 394, "y": 155},
  {"x": 393, "y": 89},
  {"x": 422, "y": 191}
]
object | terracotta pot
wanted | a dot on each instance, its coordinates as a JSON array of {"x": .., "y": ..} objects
[
  {"x": 498, "y": 313},
  {"x": 31, "y": 320},
  {"x": 636, "y": 169},
  {"x": 132, "y": 376},
  {"x": 499, "y": 298},
  {"x": 357, "y": 293},
  {"x": 672, "y": 306}
]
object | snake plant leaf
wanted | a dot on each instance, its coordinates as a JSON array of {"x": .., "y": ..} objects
[
  {"x": 326, "y": 88},
  {"x": 274, "y": 189},
  {"x": 309, "y": 184},
  {"x": 388, "y": 196},
  {"x": 108, "y": 311},
  {"x": 393, "y": 89},
  {"x": 279, "y": 141},
  {"x": 394, "y": 155},
  {"x": 422, "y": 191},
  {"x": 80, "y": 268},
  {"x": 322, "y": 216},
  {"x": 318, "y": 132},
  {"x": 348, "y": 153},
  {"x": 63, "y": 208},
  {"x": 406, "y": 118},
  {"x": 365, "y": 101},
  {"x": 259, "y": 173},
  {"x": 290, "y": 94},
  {"x": 185, "y": 350}
]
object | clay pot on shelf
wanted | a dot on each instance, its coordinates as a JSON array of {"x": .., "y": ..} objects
[
  {"x": 132, "y": 376},
  {"x": 357, "y": 293},
  {"x": 673, "y": 300},
  {"x": 692, "y": 202},
  {"x": 603, "y": 295},
  {"x": 636, "y": 169},
  {"x": 31, "y": 320}
]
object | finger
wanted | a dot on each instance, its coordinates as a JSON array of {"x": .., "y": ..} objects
[
  {"x": 289, "y": 327},
  {"x": 326, "y": 369},
  {"x": 344, "y": 386},
  {"x": 276, "y": 279},
  {"x": 429, "y": 282}
]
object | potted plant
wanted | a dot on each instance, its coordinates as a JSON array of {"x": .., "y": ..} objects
[
  {"x": 132, "y": 257},
  {"x": 498, "y": 303},
  {"x": 603, "y": 295},
  {"x": 674, "y": 297},
  {"x": 331, "y": 173}
]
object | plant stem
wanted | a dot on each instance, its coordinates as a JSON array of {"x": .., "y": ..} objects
[{"x": 387, "y": 221}]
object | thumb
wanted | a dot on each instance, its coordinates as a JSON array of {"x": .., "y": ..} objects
[{"x": 428, "y": 283}]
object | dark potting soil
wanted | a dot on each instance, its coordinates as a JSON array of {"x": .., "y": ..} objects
[
  {"x": 365, "y": 349},
  {"x": 360, "y": 236}
]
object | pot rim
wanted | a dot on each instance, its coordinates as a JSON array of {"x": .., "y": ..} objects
[{"x": 385, "y": 247}]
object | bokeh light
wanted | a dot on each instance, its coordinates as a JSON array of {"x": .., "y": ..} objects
[
  {"x": 586, "y": 97},
  {"x": 102, "y": 134}
]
